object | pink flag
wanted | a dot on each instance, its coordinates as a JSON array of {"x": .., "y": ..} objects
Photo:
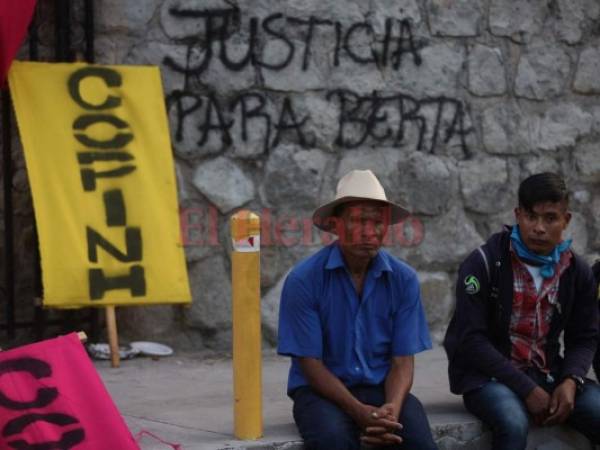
[
  {"x": 15, "y": 16},
  {"x": 52, "y": 397}
]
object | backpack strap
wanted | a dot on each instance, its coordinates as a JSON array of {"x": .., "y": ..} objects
[
  {"x": 493, "y": 277},
  {"x": 596, "y": 272},
  {"x": 496, "y": 309},
  {"x": 485, "y": 261}
]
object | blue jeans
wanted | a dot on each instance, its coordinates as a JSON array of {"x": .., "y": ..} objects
[
  {"x": 506, "y": 414},
  {"x": 324, "y": 426}
]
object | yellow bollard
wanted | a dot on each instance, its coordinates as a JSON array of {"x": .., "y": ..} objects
[{"x": 247, "y": 359}]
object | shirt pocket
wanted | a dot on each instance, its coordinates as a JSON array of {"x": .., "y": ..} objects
[
  {"x": 336, "y": 348},
  {"x": 380, "y": 334}
]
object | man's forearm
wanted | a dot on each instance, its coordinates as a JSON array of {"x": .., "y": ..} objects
[
  {"x": 399, "y": 381},
  {"x": 328, "y": 385}
]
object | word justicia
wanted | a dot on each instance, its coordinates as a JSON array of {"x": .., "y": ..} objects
[
  {"x": 220, "y": 26},
  {"x": 200, "y": 227}
]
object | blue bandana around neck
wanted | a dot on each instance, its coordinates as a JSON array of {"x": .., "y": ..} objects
[{"x": 547, "y": 262}]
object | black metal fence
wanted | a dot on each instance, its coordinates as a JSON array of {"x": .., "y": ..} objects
[{"x": 64, "y": 22}]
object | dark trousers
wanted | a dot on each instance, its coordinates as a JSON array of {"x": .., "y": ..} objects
[
  {"x": 507, "y": 416},
  {"x": 324, "y": 426}
]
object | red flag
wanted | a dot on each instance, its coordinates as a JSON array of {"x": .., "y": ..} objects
[
  {"x": 52, "y": 397},
  {"x": 15, "y": 16}
]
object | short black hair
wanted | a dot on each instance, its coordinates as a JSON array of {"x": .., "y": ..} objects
[{"x": 542, "y": 187}]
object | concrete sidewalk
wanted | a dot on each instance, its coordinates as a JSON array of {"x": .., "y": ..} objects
[{"x": 187, "y": 399}]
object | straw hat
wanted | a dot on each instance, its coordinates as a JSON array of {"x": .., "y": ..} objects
[{"x": 356, "y": 185}]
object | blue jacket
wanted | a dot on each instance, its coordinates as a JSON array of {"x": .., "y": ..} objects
[{"x": 477, "y": 340}]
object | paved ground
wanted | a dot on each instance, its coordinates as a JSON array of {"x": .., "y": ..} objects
[{"x": 188, "y": 400}]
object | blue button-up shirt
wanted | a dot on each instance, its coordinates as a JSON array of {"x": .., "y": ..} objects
[{"x": 321, "y": 316}]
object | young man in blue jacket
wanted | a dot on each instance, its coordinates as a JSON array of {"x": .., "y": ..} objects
[
  {"x": 514, "y": 297},
  {"x": 351, "y": 318}
]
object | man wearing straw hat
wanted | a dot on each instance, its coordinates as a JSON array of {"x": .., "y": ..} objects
[{"x": 351, "y": 318}]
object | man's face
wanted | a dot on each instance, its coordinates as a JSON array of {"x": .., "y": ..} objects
[
  {"x": 542, "y": 228},
  {"x": 362, "y": 229}
]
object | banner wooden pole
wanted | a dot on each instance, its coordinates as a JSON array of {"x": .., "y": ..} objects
[
  {"x": 113, "y": 337},
  {"x": 82, "y": 336}
]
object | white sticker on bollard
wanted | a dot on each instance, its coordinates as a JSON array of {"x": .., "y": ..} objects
[{"x": 246, "y": 245}]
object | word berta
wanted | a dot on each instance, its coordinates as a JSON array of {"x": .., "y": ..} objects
[{"x": 105, "y": 152}]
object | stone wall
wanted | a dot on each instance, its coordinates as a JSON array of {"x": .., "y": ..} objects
[{"x": 450, "y": 103}]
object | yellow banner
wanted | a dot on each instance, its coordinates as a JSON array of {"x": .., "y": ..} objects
[{"x": 99, "y": 160}]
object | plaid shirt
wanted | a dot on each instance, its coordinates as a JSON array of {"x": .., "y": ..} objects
[{"x": 532, "y": 312}]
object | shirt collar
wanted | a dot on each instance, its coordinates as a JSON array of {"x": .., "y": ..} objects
[{"x": 378, "y": 265}]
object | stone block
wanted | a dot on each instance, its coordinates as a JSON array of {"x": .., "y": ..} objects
[
  {"x": 113, "y": 48},
  {"x": 595, "y": 112},
  {"x": 269, "y": 310},
  {"x": 322, "y": 128},
  {"x": 503, "y": 128},
  {"x": 484, "y": 185},
  {"x": 359, "y": 78},
  {"x": 587, "y": 161},
  {"x": 517, "y": 19},
  {"x": 571, "y": 18},
  {"x": 455, "y": 18},
  {"x": 347, "y": 12},
  {"x": 580, "y": 199},
  {"x": 380, "y": 10},
  {"x": 293, "y": 176},
  {"x": 586, "y": 76},
  {"x": 577, "y": 230},
  {"x": 224, "y": 183},
  {"x": 494, "y": 223},
  {"x": 543, "y": 71},
  {"x": 486, "y": 71},
  {"x": 149, "y": 322},
  {"x": 443, "y": 243},
  {"x": 154, "y": 53},
  {"x": 561, "y": 126},
  {"x": 539, "y": 164},
  {"x": 211, "y": 309},
  {"x": 200, "y": 223},
  {"x": 438, "y": 72},
  {"x": 428, "y": 182},
  {"x": 438, "y": 299},
  {"x": 132, "y": 17}
]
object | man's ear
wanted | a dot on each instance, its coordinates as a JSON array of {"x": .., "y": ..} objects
[
  {"x": 568, "y": 216},
  {"x": 517, "y": 211}
]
